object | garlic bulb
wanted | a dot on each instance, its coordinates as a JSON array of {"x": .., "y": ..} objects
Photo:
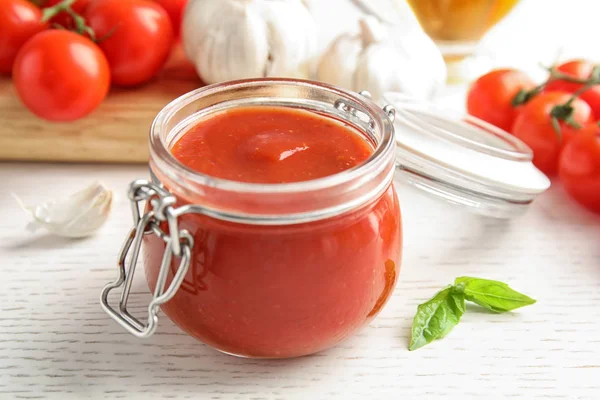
[
  {"x": 345, "y": 21},
  {"x": 238, "y": 39},
  {"x": 372, "y": 61},
  {"x": 79, "y": 215}
]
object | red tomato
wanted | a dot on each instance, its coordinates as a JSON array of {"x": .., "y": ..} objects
[
  {"x": 582, "y": 70},
  {"x": 139, "y": 39},
  {"x": 19, "y": 21},
  {"x": 60, "y": 75},
  {"x": 579, "y": 168},
  {"x": 490, "y": 96},
  {"x": 533, "y": 126},
  {"x": 175, "y": 10},
  {"x": 63, "y": 18}
]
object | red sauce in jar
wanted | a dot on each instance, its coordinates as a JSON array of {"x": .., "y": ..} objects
[
  {"x": 271, "y": 145},
  {"x": 280, "y": 291}
]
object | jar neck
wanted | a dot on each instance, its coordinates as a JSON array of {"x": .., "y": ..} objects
[{"x": 274, "y": 204}]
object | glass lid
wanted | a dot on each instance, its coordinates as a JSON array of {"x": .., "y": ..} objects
[{"x": 464, "y": 160}]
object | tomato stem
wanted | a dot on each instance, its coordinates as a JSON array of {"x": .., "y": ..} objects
[
  {"x": 523, "y": 96},
  {"x": 556, "y": 126},
  {"x": 51, "y": 12},
  {"x": 66, "y": 6},
  {"x": 577, "y": 93},
  {"x": 107, "y": 35},
  {"x": 564, "y": 112}
]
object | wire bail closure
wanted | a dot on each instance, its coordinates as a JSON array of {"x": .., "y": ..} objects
[
  {"x": 178, "y": 243},
  {"x": 357, "y": 111}
]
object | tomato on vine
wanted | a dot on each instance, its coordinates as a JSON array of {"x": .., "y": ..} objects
[
  {"x": 581, "y": 70},
  {"x": 64, "y": 19},
  {"x": 490, "y": 97},
  {"x": 579, "y": 167},
  {"x": 546, "y": 123},
  {"x": 135, "y": 35},
  {"x": 61, "y": 75},
  {"x": 19, "y": 21}
]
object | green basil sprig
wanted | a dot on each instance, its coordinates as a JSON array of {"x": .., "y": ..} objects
[{"x": 436, "y": 318}]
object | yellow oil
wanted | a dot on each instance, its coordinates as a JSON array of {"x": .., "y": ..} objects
[{"x": 459, "y": 20}]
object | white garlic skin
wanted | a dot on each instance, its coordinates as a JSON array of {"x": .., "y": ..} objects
[
  {"x": 240, "y": 39},
  {"x": 79, "y": 215},
  {"x": 372, "y": 61}
]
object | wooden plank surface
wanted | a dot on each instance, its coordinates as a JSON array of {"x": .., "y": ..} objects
[
  {"x": 57, "y": 343},
  {"x": 116, "y": 132}
]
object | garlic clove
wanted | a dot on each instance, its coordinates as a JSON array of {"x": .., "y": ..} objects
[
  {"x": 225, "y": 40},
  {"x": 425, "y": 65},
  {"x": 78, "y": 215},
  {"x": 381, "y": 69},
  {"x": 290, "y": 54},
  {"x": 339, "y": 64},
  {"x": 371, "y": 31}
]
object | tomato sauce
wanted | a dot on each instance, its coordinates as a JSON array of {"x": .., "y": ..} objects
[
  {"x": 271, "y": 145},
  {"x": 280, "y": 291}
]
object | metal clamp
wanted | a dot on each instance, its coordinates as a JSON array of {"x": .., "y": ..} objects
[
  {"x": 178, "y": 243},
  {"x": 388, "y": 109},
  {"x": 357, "y": 111}
]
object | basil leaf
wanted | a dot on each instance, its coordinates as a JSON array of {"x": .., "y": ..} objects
[
  {"x": 436, "y": 317},
  {"x": 494, "y": 295}
]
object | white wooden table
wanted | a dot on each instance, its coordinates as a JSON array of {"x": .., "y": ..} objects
[{"x": 56, "y": 342}]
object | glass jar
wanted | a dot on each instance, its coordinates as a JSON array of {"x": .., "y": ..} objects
[
  {"x": 283, "y": 270},
  {"x": 265, "y": 270}
]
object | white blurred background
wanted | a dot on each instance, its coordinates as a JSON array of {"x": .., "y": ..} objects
[{"x": 536, "y": 31}]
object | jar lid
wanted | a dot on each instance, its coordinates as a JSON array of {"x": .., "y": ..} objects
[{"x": 464, "y": 160}]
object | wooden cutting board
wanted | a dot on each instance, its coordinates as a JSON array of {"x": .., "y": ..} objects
[{"x": 116, "y": 132}]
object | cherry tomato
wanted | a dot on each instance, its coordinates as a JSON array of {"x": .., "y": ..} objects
[
  {"x": 533, "y": 126},
  {"x": 60, "y": 75},
  {"x": 175, "y": 10},
  {"x": 19, "y": 21},
  {"x": 579, "y": 167},
  {"x": 138, "y": 35},
  {"x": 579, "y": 69},
  {"x": 64, "y": 19},
  {"x": 490, "y": 96}
]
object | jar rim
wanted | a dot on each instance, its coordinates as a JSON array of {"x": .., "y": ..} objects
[{"x": 384, "y": 149}]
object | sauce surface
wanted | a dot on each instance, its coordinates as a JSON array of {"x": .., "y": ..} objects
[{"x": 270, "y": 145}]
